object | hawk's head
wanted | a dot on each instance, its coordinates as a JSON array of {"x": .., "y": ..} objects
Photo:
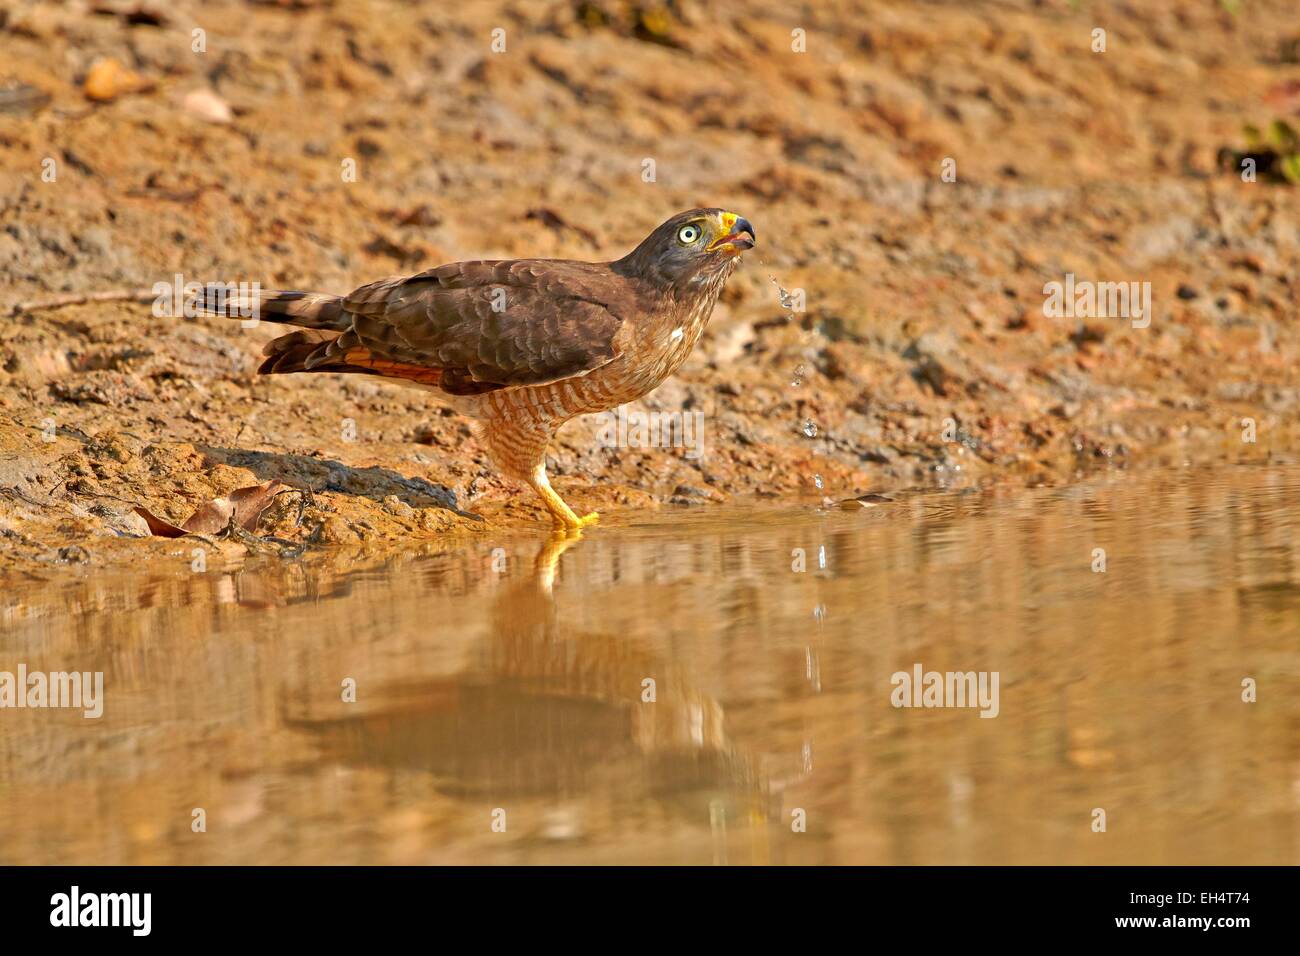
[{"x": 692, "y": 246}]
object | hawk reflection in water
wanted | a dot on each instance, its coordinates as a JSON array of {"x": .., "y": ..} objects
[{"x": 554, "y": 715}]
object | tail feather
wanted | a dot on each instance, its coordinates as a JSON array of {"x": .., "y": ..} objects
[
  {"x": 311, "y": 310},
  {"x": 316, "y": 346},
  {"x": 305, "y": 350}
]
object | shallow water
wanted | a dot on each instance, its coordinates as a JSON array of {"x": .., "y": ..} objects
[{"x": 521, "y": 690}]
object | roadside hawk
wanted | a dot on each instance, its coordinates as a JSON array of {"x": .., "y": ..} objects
[{"x": 521, "y": 345}]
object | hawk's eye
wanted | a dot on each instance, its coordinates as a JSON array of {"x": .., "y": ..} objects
[{"x": 688, "y": 234}]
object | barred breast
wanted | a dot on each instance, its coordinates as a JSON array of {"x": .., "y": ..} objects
[{"x": 518, "y": 423}]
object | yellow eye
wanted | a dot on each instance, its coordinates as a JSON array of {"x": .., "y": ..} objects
[{"x": 688, "y": 234}]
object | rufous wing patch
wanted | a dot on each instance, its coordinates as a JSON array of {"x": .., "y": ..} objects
[
  {"x": 454, "y": 381},
  {"x": 390, "y": 369}
]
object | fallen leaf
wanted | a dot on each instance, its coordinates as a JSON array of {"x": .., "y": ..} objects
[
  {"x": 244, "y": 506},
  {"x": 157, "y": 526}
]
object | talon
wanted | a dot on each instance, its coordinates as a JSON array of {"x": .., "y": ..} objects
[
  {"x": 562, "y": 516},
  {"x": 565, "y": 524}
]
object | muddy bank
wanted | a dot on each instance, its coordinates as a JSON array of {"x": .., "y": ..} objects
[{"x": 923, "y": 355}]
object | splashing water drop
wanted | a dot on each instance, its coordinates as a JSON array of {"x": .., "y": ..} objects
[
  {"x": 817, "y": 480},
  {"x": 810, "y": 428},
  {"x": 787, "y": 299}
]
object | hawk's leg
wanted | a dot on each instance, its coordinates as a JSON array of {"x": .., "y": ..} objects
[
  {"x": 516, "y": 434},
  {"x": 563, "y": 516}
]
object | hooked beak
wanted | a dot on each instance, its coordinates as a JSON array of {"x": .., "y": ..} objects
[{"x": 738, "y": 235}]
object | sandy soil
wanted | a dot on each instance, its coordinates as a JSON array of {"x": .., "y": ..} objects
[{"x": 924, "y": 355}]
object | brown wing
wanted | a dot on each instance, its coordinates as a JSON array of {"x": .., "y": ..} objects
[{"x": 482, "y": 325}]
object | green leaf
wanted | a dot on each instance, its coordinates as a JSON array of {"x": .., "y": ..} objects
[
  {"x": 1290, "y": 167},
  {"x": 1282, "y": 136}
]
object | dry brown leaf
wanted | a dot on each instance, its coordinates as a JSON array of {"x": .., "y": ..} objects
[
  {"x": 243, "y": 505},
  {"x": 157, "y": 526}
]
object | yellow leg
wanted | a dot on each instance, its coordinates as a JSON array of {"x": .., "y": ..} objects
[
  {"x": 561, "y": 514},
  {"x": 548, "y": 558}
]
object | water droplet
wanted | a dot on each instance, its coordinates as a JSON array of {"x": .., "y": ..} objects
[
  {"x": 810, "y": 428},
  {"x": 817, "y": 480},
  {"x": 814, "y": 671},
  {"x": 787, "y": 300}
]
